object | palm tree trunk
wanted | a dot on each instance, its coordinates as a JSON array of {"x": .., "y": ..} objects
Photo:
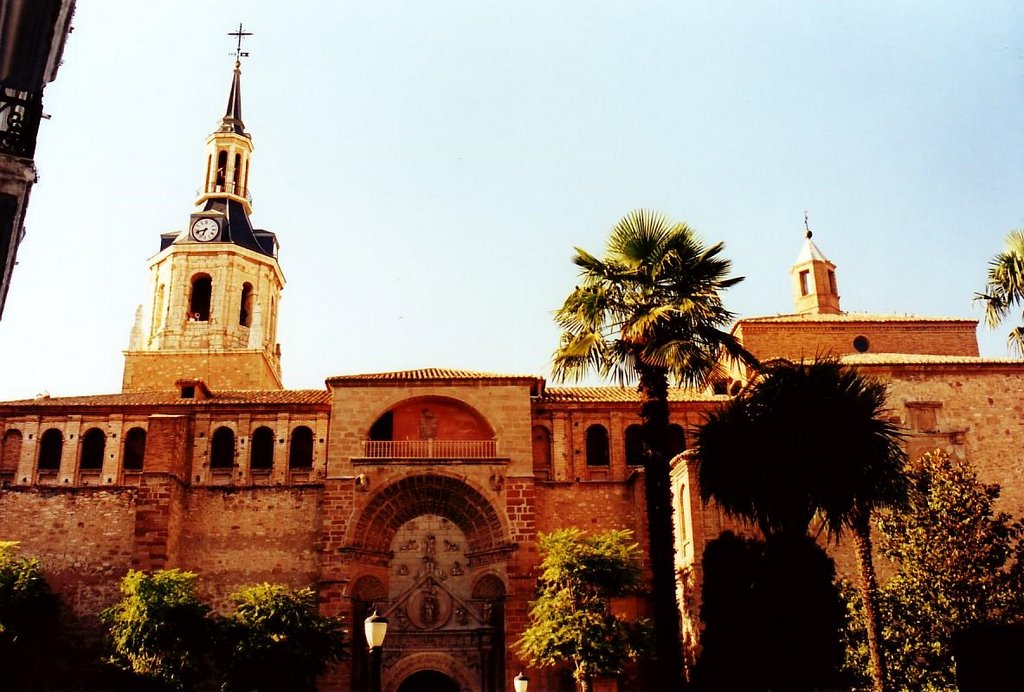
[
  {"x": 869, "y": 594},
  {"x": 658, "y": 490}
]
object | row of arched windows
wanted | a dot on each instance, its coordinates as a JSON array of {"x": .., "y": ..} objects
[
  {"x": 597, "y": 448},
  {"x": 93, "y": 448},
  {"x": 201, "y": 296},
  {"x": 261, "y": 448},
  {"x": 597, "y": 444},
  {"x": 239, "y": 182}
]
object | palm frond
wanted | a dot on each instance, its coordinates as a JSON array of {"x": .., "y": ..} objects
[
  {"x": 1005, "y": 285},
  {"x": 653, "y": 300},
  {"x": 578, "y": 355},
  {"x": 821, "y": 445}
]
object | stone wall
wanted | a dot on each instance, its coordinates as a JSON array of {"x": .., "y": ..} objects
[
  {"x": 239, "y": 536},
  {"x": 239, "y": 369},
  {"x": 973, "y": 412},
  {"x": 82, "y": 536}
]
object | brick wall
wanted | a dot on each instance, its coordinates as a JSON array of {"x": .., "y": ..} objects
[{"x": 799, "y": 339}]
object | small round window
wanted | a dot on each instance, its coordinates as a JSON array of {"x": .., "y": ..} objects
[{"x": 861, "y": 344}]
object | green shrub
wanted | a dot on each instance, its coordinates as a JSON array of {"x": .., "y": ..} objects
[{"x": 276, "y": 640}]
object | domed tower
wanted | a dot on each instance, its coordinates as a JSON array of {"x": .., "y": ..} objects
[{"x": 215, "y": 286}]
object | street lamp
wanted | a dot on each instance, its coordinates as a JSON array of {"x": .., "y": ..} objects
[
  {"x": 521, "y": 682},
  {"x": 375, "y": 627}
]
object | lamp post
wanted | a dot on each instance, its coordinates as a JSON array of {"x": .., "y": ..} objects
[
  {"x": 375, "y": 627},
  {"x": 520, "y": 682}
]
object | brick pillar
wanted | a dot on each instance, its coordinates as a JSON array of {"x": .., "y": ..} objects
[
  {"x": 521, "y": 504},
  {"x": 160, "y": 507},
  {"x": 334, "y": 577}
]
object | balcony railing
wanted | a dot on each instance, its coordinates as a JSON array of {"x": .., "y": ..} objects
[
  {"x": 430, "y": 449},
  {"x": 230, "y": 188}
]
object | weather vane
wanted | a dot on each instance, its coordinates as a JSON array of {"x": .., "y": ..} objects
[
  {"x": 239, "y": 53},
  {"x": 806, "y": 225}
]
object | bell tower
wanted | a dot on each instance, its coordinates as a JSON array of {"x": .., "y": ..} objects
[
  {"x": 814, "y": 280},
  {"x": 215, "y": 286}
]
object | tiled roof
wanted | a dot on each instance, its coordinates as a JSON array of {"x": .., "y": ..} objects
[
  {"x": 426, "y": 374},
  {"x": 618, "y": 395},
  {"x": 853, "y": 317},
  {"x": 923, "y": 359},
  {"x": 173, "y": 398}
]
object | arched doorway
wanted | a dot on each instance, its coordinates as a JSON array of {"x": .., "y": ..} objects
[
  {"x": 428, "y": 681},
  {"x": 439, "y": 550}
]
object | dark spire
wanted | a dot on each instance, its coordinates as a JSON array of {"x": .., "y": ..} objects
[{"x": 232, "y": 121}]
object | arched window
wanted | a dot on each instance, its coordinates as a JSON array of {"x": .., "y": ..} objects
[
  {"x": 676, "y": 439},
  {"x": 222, "y": 170},
  {"x": 93, "y": 444},
  {"x": 245, "y": 310},
  {"x": 51, "y": 445},
  {"x": 300, "y": 454},
  {"x": 10, "y": 451},
  {"x": 238, "y": 174},
  {"x": 597, "y": 446},
  {"x": 222, "y": 448},
  {"x": 541, "y": 451},
  {"x": 135, "y": 449},
  {"x": 261, "y": 448},
  {"x": 199, "y": 302},
  {"x": 634, "y": 445}
]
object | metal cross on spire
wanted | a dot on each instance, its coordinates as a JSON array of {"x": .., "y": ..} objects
[
  {"x": 806, "y": 225},
  {"x": 239, "y": 53}
]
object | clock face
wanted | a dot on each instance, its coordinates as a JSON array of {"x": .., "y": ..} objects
[{"x": 205, "y": 229}]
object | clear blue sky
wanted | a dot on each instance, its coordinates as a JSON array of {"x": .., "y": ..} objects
[{"x": 428, "y": 167}]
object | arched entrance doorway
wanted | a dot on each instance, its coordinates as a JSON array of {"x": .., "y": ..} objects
[
  {"x": 428, "y": 681},
  {"x": 438, "y": 551}
]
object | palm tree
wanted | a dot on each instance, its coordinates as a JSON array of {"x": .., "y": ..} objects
[
  {"x": 1005, "y": 287},
  {"x": 649, "y": 313},
  {"x": 806, "y": 441}
]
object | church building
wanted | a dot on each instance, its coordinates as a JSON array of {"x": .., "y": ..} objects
[{"x": 420, "y": 493}]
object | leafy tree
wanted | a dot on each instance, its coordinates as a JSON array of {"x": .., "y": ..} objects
[
  {"x": 958, "y": 564},
  {"x": 28, "y": 619},
  {"x": 1005, "y": 287},
  {"x": 772, "y": 616},
  {"x": 24, "y": 593},
  {"x": 160, "y": 629},
  {"x": 276, "y": 640},
  {"x": 803, "y": 441},
  {"x": 572, "y": 620},
  {"x": 651, "y": 313}
]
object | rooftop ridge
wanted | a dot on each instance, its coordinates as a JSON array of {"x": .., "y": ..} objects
[
  {"x": 428, "y": 374},
  {"x": 173, "y": 398},
  {"x": 852, "y": 317}
]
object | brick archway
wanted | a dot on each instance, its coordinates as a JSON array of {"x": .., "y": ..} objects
[
  {"x": 414, "y": 496},
  {"x": 430, "y": 538},
  {"x": 407, "y": 666}
]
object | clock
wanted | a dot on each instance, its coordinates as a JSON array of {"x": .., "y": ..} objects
[{"x": 205, "y": 229}]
